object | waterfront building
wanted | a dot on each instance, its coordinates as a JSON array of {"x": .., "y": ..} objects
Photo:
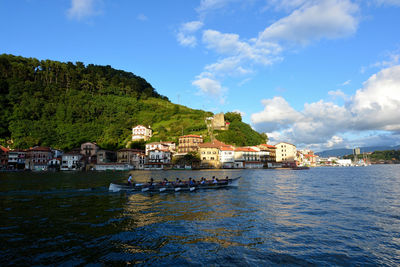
[
  {"x": 306, "y": 157},
  {"x": 89, "y": 150},
  {"x": 16, "y": 159},
  {"x": 170, "y": 146},
  {"x": 189, "y": 143},
  {"x": 209, "y": 154},
  {"x": 286, "y": 153},
  {"x": 248, "y": 157},
  {"x": 3, "y": 157},
  {"x": 158, "y": 159},
  {"x": 141, "y": 132},
  {"x": 72, "y": 162},
  {"x": 135, "y": 157},
  {"x": 54, "y": 164},
  {"x": 106, "y": 156},
  {"x": 37, "y": 158},
  {"x": 227, "y": 156}
]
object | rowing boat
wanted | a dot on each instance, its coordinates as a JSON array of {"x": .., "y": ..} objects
[{"x": 171, "y": 187}]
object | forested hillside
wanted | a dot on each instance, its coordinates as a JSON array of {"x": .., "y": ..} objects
[{"x": 57, "y": 104}]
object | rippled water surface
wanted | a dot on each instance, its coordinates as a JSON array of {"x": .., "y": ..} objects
[{"x": 321, "y": 216}]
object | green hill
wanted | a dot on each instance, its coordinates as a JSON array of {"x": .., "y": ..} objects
[{"x": 62, "y": 105}]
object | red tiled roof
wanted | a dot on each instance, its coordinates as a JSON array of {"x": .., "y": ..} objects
[
  {"x": 213, "y": 144},
  {"x": 245, "y": 149},
  {"x": 191, "y": 135},
  {"x": 227, "y": 148}
]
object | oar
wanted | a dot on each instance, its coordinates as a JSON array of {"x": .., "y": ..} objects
[
  {"x": 162, "y": 189},
  {"x": 192, "y": 188},
  {"x": 145, "y": 189},
  {"x": 177, "y": 189}
]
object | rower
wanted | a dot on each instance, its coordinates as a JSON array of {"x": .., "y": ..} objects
[
  {"x": 215, "y": 180},
  {"x": 203, "y": 180},
  {"x": 166, "y": 182},
  {"x": 191, "y": 182},
  {"x": 130, "y": 179}
]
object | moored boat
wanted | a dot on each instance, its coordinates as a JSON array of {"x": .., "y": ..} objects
[{"x": 172, "y": 187}]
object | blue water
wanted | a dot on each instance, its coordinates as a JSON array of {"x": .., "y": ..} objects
[{"x": 323, "y": 216}]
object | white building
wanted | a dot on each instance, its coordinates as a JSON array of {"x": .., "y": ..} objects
[
  {"x": 141, "y": 132},
  {"x": 286, "y": 153},
  {"x": 71, "y": 162},
  {"x": 227, "y": 156},
  {"x": 158, "y": 159},
  {"x": 344, "y": 162},
  {"x": 248, "y": 157},
  {"x": 170, "y": 146}
]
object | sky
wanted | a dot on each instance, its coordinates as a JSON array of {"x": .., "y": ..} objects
[{"x": 321, "y": 74}]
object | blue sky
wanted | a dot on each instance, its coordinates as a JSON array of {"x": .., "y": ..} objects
[{"x": 320, "y": 74}]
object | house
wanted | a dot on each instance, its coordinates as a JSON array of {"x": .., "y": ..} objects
[
  {"x": 306, "y": 157},
  {"x": 37, "y": 158},
  {"x": 54, "y": 164},
  {"x": 106, "y": 156},
  {"x": 16, "y": 159},
  {"x": 141, "y": 132},
  {"x": 170, "y": 146},
  {"x": 72, "y": 161},
  {"x": 248, "y": 157},
  {"x": 89, "y": 150},
  {"x": 227, "y": 156},
  {"x": 272, "y": 152},
  {"x": 158, "y": 159},
  {"x": 189, "y": 143},
  {"x": 286, "y": 154},
  {"x": 209, "y": 154},
  {"x": 3, "y": 157},
  {"x": 134, "y": 157}
]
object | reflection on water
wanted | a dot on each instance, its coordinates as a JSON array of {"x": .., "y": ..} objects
[{"x": 322, "y": 216}]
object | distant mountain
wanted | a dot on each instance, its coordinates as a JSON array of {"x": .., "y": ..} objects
[{"x": 340, "y": 152}]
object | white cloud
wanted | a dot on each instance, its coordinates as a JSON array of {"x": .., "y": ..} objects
[
  {"x": 277, "y": 114},
  {"x": 323, "y": 19},
  {"x": 210, "y": 87},
  {"x": 334, "y": 142},
  {"x": 346, "y": 83},
  {"x": 374, "y": 107},
  {"x": 377, "y": 104},
  {"x": 338, "y": 93},
  {"x": 208, "y": 5},
  {"x": 186, "y": 32},
  {"x": 83, "y": 8}
]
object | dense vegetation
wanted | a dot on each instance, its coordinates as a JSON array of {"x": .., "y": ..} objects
[
  {"x": 386, "y": 155},
  {"x": 240, "y": 133},
  {"x": 57, "y": 104},
  {"x": 376, "y": 156}
]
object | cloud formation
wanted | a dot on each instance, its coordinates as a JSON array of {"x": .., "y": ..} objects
[
  {"x": 211, "y": 87},
  {"x": 329, "y": 19},
  {"x": 375, "y": 107},
  {"x": 186, "y": 32},
  {"x": 83, "y": 8},
  {"x": 309, "y": 21}
]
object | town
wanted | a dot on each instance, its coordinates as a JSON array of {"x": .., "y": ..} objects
[{"x": 190, "y": 153}]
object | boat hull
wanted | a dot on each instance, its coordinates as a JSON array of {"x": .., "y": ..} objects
[{"x": 173, "y": 188}]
